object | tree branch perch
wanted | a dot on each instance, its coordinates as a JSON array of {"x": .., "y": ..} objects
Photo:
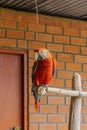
[{"x": 67, "y": 92}]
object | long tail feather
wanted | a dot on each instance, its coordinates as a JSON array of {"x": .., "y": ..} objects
[{"x": 36, "y": 105}]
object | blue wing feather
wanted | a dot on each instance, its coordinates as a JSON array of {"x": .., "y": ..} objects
[
  {"x": 33, "y": 70},
  {"x": 54, "y": 66},
  {"x": 54, "y": 71}
]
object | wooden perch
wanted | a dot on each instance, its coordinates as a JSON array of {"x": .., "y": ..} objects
[
  {"x": 67, "y": 92},
  {"x": 73, "y": 93},
  {"x": 76, "y": 102},
  {"x": 76, "y": 99}
]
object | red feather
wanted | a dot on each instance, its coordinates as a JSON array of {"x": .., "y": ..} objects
[
  {"x": 44, "y": 71},
  {"x": 36, "y": 105}
]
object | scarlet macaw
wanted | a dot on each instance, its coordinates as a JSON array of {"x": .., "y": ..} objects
[{"x": 42, "y": 71}]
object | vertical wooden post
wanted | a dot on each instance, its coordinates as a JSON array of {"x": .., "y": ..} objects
[{"x": 76, "y": 104}]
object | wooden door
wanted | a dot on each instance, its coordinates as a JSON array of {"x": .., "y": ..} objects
[{"x": 11, "y": 91}]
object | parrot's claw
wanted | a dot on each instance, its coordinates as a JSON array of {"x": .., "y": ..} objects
[{"x": 42, "y": 90}]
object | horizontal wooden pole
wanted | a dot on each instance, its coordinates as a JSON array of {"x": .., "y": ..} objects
[
  {"x": 77, "y": 93},
  {"x": 67, "y": 92}
]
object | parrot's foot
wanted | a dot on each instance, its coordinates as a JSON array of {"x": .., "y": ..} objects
[{"x": 42, "y": 90}]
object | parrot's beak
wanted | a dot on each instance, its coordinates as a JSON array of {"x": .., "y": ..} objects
[{"x": 36, "y": 56}]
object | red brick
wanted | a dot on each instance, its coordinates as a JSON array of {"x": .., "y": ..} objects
[
  {"x": 62, "y": 126},
  {"x": 30, "y": 72},
  {"x": 15, "y": 34},
  {"x": 84, "y": 50},
  {"x": 20, "y": 17},
  {"x": 43, "y": 20},
  {"x": 53, "y": 54},
  {"x": 79, "y": 25},
  {"x": 52, "y": 21},
  {"x": 83, "y": 75},
  {"x": 64, "y": 109},
  {"x": 1, "y": 13},
  {"x": 69, "y": 84},
  {"x": 31, "y": 53},
  {"x": 31, "y": 99},
  {"x": 84, "y": 110},
  {"x": 83, "y": 33},
  {"x": 67, "y": 118},
  {"x": 60, "y": 65},
  {"x": 29, "y": 36},
  {"x": 2, "y": 32},
  {"x": 83, "y": 126},
  {"x": 56, "y": 83},
  {"x": 32, "y": 18},
  {"x": 47, "y": 127},
  {"x": 78, "y": 41},
  {"x": 32, "y": 109},
  {"x": 31, "y": 62},
  {"x": 61, "y": 39},
  {"x": 29, "y": 88},
  {"x": 64, "y": 23},
  {"x": 71, "y": 32},
  {"x": 34, "y": 45},
  {"x": 33, "y": 126},
  {"x": 85, "y": 67},
  {"x": 43, "y": 100},
  {"x": 85, "y": 118},
  {"x": 9, "y": 24},
  {"x": 56, "y": 118},
  {"x": 22, "y": 25},
  {"x": 55, "y": 100},
  {"x": 65, "y": 57},
  {"x": 54, "y": 30},
  {"x": 36, "y": 27},
  {"x": 43, "y": 37},
  {"x": 37, "y": 118},
  {"x": 85, "y": 84},
  {"x": 55, "y": 47},
  {"x": 85, "y": 101},
  {"x": 80, "y": 59},
  {"x": 12, "y": 15},
  {"x": 72, "y": 49},
  {"x": 30, "y": 82},
  {"x": 22, "y": 44},
  {"x": 73, "y": 66},
  {"x": 65, "y": 74},
  {"x": 48, "y": 109},
  {"x": 46, "y": 20},
  {"x": 7, "y": 42}
]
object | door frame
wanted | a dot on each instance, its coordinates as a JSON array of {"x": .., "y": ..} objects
[{"x": 25, "y": 88}]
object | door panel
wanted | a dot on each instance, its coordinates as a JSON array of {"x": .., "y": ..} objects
[{"x": 11, "y": 91}]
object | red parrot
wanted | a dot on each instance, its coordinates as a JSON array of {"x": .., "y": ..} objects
[{"x": 42, "y": 71}]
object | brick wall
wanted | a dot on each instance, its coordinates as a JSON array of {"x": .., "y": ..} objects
[{"x": 67, "y": 41}]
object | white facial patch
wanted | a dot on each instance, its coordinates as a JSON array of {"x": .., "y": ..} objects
[{"x": 43, "y": 54}]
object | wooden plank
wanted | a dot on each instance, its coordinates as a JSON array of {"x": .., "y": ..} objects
[{"x": 76, "y": 104}]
